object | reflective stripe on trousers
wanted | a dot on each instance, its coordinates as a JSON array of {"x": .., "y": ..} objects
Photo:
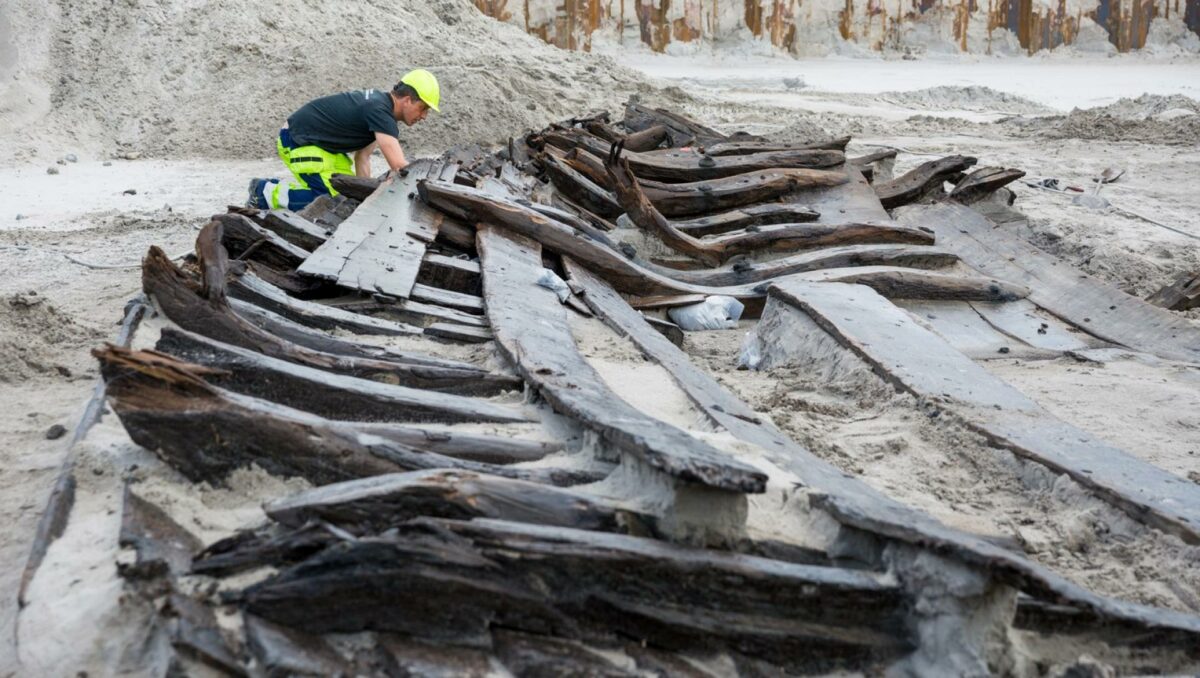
[{"x": 312, "y": 167}]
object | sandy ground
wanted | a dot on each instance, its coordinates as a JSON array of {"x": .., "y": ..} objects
[{"x": 54, "y": 310}]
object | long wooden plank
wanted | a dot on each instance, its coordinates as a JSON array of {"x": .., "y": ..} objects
[
  {"x": 851, "y": 202},
  {"x": 918, "y": 361},
  {"x": 531, "y": 328},
  {"x": 296, "y": 229},
  {"x": 252, "y": 289},
  {"x": 1080, "y": 299},
  {"x": 847, "y": 499}
]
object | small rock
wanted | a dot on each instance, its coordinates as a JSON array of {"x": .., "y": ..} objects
[
  {"x": 1004, "y": 349},
  {"x": 61, "y": 161},
  {"x": 51, "y": 170},
  {"x": 21, "y": 216},
  {"x": 55, "y": 432},
  {"x": 531, "y": 106},
  {"x": 794, "y": 83},
  {"x": 62, "y": 371},
  {"x": 106, "y": 163},
  {"x": 71, "y": 157},
  {"x": 129, "y": 191},
  {"x": 131, "y": 155}
]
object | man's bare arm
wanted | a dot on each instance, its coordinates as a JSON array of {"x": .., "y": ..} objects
[
  {"x": 391, "y": 151},
  {"x": 362, "y": 161}
]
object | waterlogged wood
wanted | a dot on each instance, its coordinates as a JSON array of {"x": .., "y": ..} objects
[
  {"x": 279, "y": 651},
  {"x": 461, "y": 333},
  {"x": 745, "y": 273},
  {"x": 983, "y": 182},
  {"x": 851, "y": 202},
  {"x": 645, "y": 140},
  {"x": 681, "y": 131},
  {"x": 481, "y": 447},
  {"x": 851, "y": 501},
  {"x": 1090, "y": 304},
  {"x": 702, "y": 197},
  {"x": 450, "y": 273},
  {"x": 753, "y": 215},
  {"x": 918, "y": 361},
  {"x": 263, "y": 376},
  {"x": 296, "y": 229},
  {"x": 747, "y": 147},
  {"x": 320, "y": 341},
  {"x": 252, "y": 289},
  {"x": 926, "y": 178},
  {"x": 468, "y": 303},
  {"x": 902, "y": 283},
  {"x": 329, "y": 211},
  {"x": 442, "y": 579},
  {"x": 532, "y": 330},
  {"x": 1181, "y": 295},
  {"x": 579, "y": 188},
  {"x": 163, "y": 546},
  {"x": 690, "y": 165},
  {"x": 372, "y": 505},
  {"x": 412, "y": 311},
  {"x": 206, "y": 432},
  {"x": 884, "y": 154},
  {"x": 246, "y": 240},
  {"x": 355, "y": 187}
]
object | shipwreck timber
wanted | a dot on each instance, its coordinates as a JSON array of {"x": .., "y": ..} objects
[{"x": 479, "y": 493}]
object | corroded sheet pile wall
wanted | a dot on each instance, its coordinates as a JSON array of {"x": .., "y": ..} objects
[{"x": 811, "y": 27}]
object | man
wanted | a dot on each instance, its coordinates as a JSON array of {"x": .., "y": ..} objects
[{"x": 318, "y": 138}]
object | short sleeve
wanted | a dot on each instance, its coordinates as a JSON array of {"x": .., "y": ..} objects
[{"x": 379, "y": 117}]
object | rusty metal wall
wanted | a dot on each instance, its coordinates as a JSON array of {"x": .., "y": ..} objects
[{"x": 1037, "y": 24}]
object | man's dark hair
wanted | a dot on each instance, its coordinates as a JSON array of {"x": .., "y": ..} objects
[{"x": 402, "y": 90}]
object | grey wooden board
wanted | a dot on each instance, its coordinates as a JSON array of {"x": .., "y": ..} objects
[
  {"x": 967, "y": 331},
  {"x": 372, "y": 251},
  {"x": 456, "y": 332},
  {"x": 1084, "y": 301},
  {"x": 916, "y": 360},
  {"x": 468, "y": 303},
  {"x": 252, "y": 289},
  {"x": 849, "y": 500},
  {"x": 1023, "y": 320},
  {"x": 532, "y": 329},
  {"x": 851, "y": 202}
]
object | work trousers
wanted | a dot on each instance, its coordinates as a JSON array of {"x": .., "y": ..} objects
[{"x": 312, "y": 167}]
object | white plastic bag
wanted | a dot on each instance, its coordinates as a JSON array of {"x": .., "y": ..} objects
[
  {"x": 714, "y": 313},
  {"x": 750, "y": 357},
  {"x": 550, "y": 280}
]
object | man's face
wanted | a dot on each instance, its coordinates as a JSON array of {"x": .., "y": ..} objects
[{"x": 412, "y": 112}]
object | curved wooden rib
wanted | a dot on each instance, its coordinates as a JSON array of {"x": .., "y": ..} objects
[
  {"x": 747, "y": 147},
  {"x": 753, "y": 215},
  {"x": 743, "y": 273}
]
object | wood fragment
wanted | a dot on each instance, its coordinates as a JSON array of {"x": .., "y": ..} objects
[
  {"x": 748, "y": 147},
  {"x": 983, "y": 182},
  {"x": 531, "y": 329},
  {"x": 762, "y": 214},
  {"x": 355, "y": 187},
  {"x": 1181, "y": 295},
  {"x": 245, "y": 239},
  {"x": 296, "y": 229},
  {"x": 681, "y": 131},
  {"x": 920, "y": 181},
  {"x": 457, "y": 332},
  {"x": 450, "y": 273},
  {"x": 251, "y": 289}
]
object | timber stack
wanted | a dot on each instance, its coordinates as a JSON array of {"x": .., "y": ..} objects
[{"x": 471, "y": 495}]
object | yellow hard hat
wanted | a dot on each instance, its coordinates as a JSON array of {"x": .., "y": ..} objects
[{"x": 426, "y": 86}]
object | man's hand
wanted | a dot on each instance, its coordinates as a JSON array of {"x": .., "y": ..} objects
[
  {"x": 391, "y": 151},
  {"x": 362, "y": 161}
]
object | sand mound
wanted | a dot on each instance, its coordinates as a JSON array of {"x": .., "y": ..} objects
[
  {"x": 33, "y": 335},
  {"x": 1150, "y": 118},
  {"x": 176, "y": 78},
  {"x": 970, "y": 98}
]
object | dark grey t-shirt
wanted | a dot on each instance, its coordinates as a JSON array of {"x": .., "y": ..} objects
[{"x": 344, "y": 123}]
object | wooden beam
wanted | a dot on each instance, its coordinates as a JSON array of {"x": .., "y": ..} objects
[
  {"x": 920, "y": 181},
  {"x": 531, "y": 329},
  {"x": 462, "y": 333},
  {"x": 983, "y": 182},
  {"x": 748, "y": 147},
  {"x": 246, "y": 240},
  {"x": 252, "y": 289},
  {"x": 1080, "y": 299},
  {"x": 450, "y": 273},
  {"x": 914, "y": 359},
  {"x": 296, "y": 229},
  {"x": 762, "y": 214},
  {"x": 1181, "y": 295},
  {"x": 468, "y": 303},
  {"x": 681, "y": 131},
  {"x": 843, "y": 257}
]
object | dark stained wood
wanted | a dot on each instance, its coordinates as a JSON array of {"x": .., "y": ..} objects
[
  {"x": 320, "y": 341},
  {"x": 206, "y": 433},
  {"x": 918, "y": 361},
  {"x": 747, "y": 147},
  {"x": 450, "y": 273},
  {"x": 372, "y": 505},
  {"x": 296, "y": 229},
  {"x": 851, "y": 202},
  {"x": 905, "y": 283},
  {"x": 1090, "y": 304},
  {"x": 983, "y": 182},
  {"x": 358, "y": 188},
  {"x": 696, "y": 198},
  {"x": 418, "y": 313},
  {"x": 329, "y": 211},
  {"x": 920, "y": 181},
  {"x": 263, "y": 376},
  {"x": 468, "y": 303},
  {"x": 668, "y": 329},
  {"x": 1180, "y": 295},
  {"x": 762, "y": 214},
  {"x": 883, "y": 154},
  {"x": 245, "y": 239},
  {"x": 645, "y": 140},
  {"x": 579, "y": 188},
  {"x": 690, "y": 165},
  {"x": 681, "y": 131},
  {"x": 848, "y": 256},
  {"x": 281, "y": 652},
  {"x": 531, "y": 329},
  {"x": 252, "y": 289},
  {"x": 849, "y": 500},
  {"x": 481, "y": 447},
  {"x": 163, "y": 546},
  {"x": 442, "y": 579},
  {"x": 461, "y": 333}
]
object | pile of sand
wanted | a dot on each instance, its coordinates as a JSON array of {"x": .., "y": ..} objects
[
  {"x": 968, "y": 98},
  {"x": 1150, "y": 118},
  {"x": 35, "y": 336},
  {"x": 176, "y": 78}
]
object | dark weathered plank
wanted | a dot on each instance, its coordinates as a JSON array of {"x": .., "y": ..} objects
[
  {"x": 372, "y": 505},
  {"x": 753, "y": 215},
  {"x": 457, "y": 332},
  {"x": 280, "y": 651},
  {"x": 246, "y": 240},
  {"x": 1090, "y": 304},
  {"x": 339, "y": 396},
  {"x": 925, "y": 178},
  {"x": 1180, "y": 295},
  {"x": 848, "y": 499},
  {"x": 443, "y": 579},
  {"x": 329, "y": 211},
  {"x": 468, "y": 303},
  {"x": 162, "y": 545},
  {"x": 450, "y": 273},
  {"x": 206, "y": 432},
  {"x": 1022, "y": 320},
  {"x": 744, "y": 272},
  {"x": 322, "y": 341},
  {"x": 681, "y": 131},
  {"x": 482, "y": 447},
  {"x": 531, "y": 328},
  {"x": 257, "y": 370},
  {"x": 579, "y": 187},
  {"x": 983, "y": 182},
  {"x": 252, "y": 289},
  {"x": 407, "y": 310},
  {"x": 746, "y": 147},
  {"x": 913, "y": 359},
  {"x": 296, "y": 229},
  {"x": 850, "y": 202},
  {"x": 713, "y": 195}
]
